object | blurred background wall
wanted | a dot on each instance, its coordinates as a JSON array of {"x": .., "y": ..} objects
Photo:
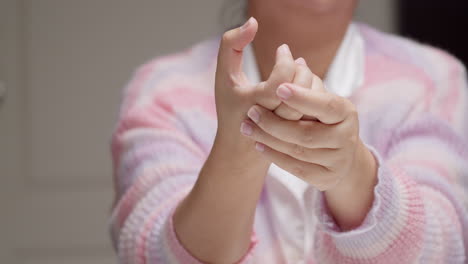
[{"x": 63, "y": 65}]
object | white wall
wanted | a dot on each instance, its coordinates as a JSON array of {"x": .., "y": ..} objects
[{"x": 379, "y": 13}]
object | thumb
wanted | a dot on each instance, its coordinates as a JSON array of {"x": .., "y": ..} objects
[{"x": 232, "y": 45}]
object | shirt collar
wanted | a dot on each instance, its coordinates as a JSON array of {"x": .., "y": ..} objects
[{"x": 346, "y": 72}]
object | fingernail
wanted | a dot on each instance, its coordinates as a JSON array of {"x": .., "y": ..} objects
[
  {"x": 283, "y": 92},
  {"x": 260, "y": 147},
  {"x": 253, "y": 114},
  {"x": 246, "y": 24},
  {"x": 246, "y": 129},
  {"x": 284, "y": 49},
  {"x": 301, "y": 61}
]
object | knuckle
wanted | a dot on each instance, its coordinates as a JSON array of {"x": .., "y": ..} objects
[
  {"x": 261, "y": 87},
  {"x": 243, "y": 94},
  {"x": 307, "y": 137},
  {"x": 346, "y": 137},
  {"x": 227, "y": 37},
  {"x": 270, "y": 95},
  {"x": 341, "y": 130},
  {"x": 287, "y": 113},
  {"x": 266, "y": 96},
  {"x": 234, "y": 79},
  {"x": 271, "y": 101},
  {"x": 335, "y": 104}
]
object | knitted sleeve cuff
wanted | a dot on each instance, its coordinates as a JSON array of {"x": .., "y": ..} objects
[
  {"x": 395, "y": 219},
  {"x": 179, "y": 254}
]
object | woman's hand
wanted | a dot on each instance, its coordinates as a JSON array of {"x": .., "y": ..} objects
[
  {"x": 319, "y": 152},
  {"x": 223, "y": 200},
  {"x": 286, "y": 70},
  {"x": 327, "y": 153},
  {"x": 234, "y": 93}
]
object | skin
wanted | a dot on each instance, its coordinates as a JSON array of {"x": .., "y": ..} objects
[
  {"x": 288, "y": 119},
  {"x": 313, "y": 29}
]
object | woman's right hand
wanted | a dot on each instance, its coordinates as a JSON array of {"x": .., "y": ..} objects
[
  {"x": 233, "y": 91},
  {"x": 223, "y": 201},
  {"x": 235, "y": 94}
]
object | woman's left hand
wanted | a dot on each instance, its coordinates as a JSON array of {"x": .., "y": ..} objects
[{"x": 326, "y": 153}]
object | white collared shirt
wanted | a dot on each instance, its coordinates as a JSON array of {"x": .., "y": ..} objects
[{"x": 345, "y": 74}]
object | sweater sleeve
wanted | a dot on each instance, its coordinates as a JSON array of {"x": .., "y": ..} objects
[
  {"x": 419, "y": 211},
  {"x": 159, "y": 146}
]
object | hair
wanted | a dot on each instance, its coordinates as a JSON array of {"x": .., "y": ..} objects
[{"x": 233, "y": 13}]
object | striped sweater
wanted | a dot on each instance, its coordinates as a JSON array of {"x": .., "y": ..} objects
[{"x": 413, "y": 110}]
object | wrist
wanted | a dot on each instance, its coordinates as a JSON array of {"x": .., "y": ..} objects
[
  {"x": 234, "y": 150},
  {"x": 358, "y": 184},
  {"x": 362, "y": 174}
]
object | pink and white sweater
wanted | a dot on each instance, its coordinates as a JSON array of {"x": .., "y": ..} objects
[{"x": 413, "y": 108}]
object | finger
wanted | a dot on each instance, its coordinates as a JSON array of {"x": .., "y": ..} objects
[
  {"x": 314, "y": 174},
  {"x": 286, "y": 112},
  {"x": 318, "y": 87},
  {"x": 301, "y": 61},
  {"x": 328, "y": 158},
  {"x": 283, "y": 71},
  {"x": 327, "y": 107},
  {"x": 306, "y": 79},
  {"x": 303, "y": 77},
  {"x": 232, "y": 45},
  {"x": 309, "y": 134}
]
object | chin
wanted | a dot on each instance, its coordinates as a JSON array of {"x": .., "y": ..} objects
[{"x": 320, "y": 6}]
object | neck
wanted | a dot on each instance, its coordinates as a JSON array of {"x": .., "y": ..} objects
[{"x": 315, "y": 37}]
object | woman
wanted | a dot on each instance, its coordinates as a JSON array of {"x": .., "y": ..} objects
[{"x": 247, "y": 156}]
